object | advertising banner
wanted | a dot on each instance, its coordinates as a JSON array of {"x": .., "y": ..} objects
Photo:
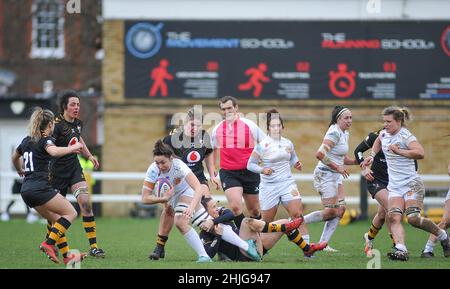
[{"x": 287, "y": 59}]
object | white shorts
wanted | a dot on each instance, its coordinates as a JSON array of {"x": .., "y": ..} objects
[
  {"x": 189, "y": 192},
  {"x": 448, "y": 195},
  {"x": 414, "y": 190},
  {"x": 326, "y": 182},
  {"x": 272, "y": 194}
]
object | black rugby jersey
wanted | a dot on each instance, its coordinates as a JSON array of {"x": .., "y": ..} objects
[
  {"x": 65, "y": 133},
  {"x": 379, "y": 165},
  {"x": 191, "y": 150},
  {"x": 214, "y": 244},
  {"x": 36, "y": 159}
]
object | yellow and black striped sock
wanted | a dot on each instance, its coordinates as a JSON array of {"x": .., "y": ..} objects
[
  {"x": 373, "y": 231},
  {"x": 89, "y": 228},
  {"x": 297, "y": 238},
  {"x": 392, "y": 239},
  {"x": 49, "y": 228},
  {"x": 272, "y": 227},
  {"x": 58, "y": 229},
  {"x": 62, "y": 245},
  {"x": 161, "y": 240}
]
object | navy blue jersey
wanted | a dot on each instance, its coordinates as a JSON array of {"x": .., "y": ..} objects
[
  {"x": 379, "y": 165},
  {"x": 191, "y": 150},
  {"x": 35, "y": 156},
  {"x": 65, "y": 133}
]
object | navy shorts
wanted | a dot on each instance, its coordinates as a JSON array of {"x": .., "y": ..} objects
[{"x": 246, "y": 179}]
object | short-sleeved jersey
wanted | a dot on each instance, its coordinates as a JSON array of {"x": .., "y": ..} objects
[
  {"x": 191, "y": 150},
  {"x": 176, "y": 176},
  {"x": 340, "y": 149},
  {"x": 236, "y": 142},
  {"x": 63, "y": 134},
  {"x": 35, "y": 156},
  {"x": 401, "y": 169},
  {"x": 278, "y": 155}
]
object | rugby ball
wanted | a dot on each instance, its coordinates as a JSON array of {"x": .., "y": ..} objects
[{"x": 162, "y": 186}]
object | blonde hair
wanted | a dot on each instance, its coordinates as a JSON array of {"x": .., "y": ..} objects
[
  {"x": 39, "y": 121},
  {"x": 401, "y": 114}
]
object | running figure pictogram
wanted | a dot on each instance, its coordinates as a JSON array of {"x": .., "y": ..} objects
[
  {"x": 159, "y": 75},
  {"x": 256, "y": 78}
]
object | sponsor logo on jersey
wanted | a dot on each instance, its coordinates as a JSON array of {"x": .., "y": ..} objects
[
  {"x": 73, "y": 141},
  {"x": 193, "y": 157}
]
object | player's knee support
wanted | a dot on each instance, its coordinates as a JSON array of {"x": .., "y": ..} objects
[
  {"x": 331, "y": 206},
  {"x": 413, "y": 215},
  {"x": 393, "y": 212},
  {"x": 200, "y": 216},
  {"x": 80, "y": 191},
  {"x": 179, "y": 208}
]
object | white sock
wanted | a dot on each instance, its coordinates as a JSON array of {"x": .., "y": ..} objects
[
  {"x": 442, "y": 235},
  {"x": 313, "y": 217},
  {"x": 194, "y": 241},
  {"x": 401, "y": 247},
  {"x": 306, "y": 238},
  {"x": 329, "y": 228},
  {"x": 231, "y": 237},
  {"x": 429, "y": 247}
]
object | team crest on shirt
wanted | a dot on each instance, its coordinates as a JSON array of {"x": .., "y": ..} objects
[{"x": 176, "y": 181}]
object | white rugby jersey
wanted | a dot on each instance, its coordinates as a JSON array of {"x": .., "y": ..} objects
[
  {"x": 340, "y": 149},
  {"x": 401, "y": 169},
  {"x": 278, "y": 155},
  {"x": 176, "y": 175}
]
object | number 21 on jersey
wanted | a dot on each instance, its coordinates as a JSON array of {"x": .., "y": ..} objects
[{"x": 28, "y": 164}]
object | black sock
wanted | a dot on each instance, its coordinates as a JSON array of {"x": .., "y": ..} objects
[{"x": 238, "y": 220}]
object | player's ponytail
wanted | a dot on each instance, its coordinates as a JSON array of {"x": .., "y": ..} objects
[
  {"x": 401, "y": 114},
  {"x": 161, "y": 149},
  {"x": 39, "y": 121}
]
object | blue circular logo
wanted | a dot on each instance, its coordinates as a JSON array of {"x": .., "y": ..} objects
[{"x": 143, "y": 40}]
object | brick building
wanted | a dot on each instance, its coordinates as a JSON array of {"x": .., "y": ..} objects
[{"x": 44, "y": 48}]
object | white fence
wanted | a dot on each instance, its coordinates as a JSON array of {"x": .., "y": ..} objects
[{"x": 139, "y": 176}]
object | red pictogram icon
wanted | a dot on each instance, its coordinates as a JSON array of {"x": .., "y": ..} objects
[
  {"x": 342, "y": 82},
  {"x": 159, "y": 75},
  {"x": 257, "y": 76}
]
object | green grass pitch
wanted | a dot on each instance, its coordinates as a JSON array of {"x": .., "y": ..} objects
[{"x": 127, "y": 243}]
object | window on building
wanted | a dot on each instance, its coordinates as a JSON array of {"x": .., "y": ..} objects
[{"x": 47, "y": 29}]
